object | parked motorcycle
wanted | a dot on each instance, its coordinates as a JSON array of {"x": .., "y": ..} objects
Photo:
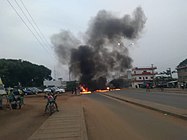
[{"x": 14, "y": 98}]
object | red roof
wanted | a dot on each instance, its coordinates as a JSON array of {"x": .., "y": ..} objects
[{"x": 148, "y": 68}]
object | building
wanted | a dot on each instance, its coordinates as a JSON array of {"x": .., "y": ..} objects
[
  {"x": 182, "y": 73},
  {"x": 142, "y": 76},
  {"x": 54, "y": 83},
  {"x": 129, "y": 75}
]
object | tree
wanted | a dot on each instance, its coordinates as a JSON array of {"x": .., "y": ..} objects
[
  {"x": 168, "y": 72},
  {"x": 14, "y": 72},
  {"x": 183, "y": 63}
]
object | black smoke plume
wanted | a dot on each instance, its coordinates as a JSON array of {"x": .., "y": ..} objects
[{"x": 104, "y": 53}]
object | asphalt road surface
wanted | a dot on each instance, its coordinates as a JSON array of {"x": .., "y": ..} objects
[
  {"x": 110, "y": 119},
  {"x": 175, "y": 100}
]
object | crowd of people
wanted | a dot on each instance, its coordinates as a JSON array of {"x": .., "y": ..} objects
[{"x": 14, "y": 98}]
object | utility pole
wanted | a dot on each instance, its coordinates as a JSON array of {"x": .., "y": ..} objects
[
  {"x": 153, "y": 73},
  {"x": 170, "y": 73}
]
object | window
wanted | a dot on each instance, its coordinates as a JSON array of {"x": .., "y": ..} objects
[
  {"x": 140, "y": 77},
  {"x": 146, "y": 77}
]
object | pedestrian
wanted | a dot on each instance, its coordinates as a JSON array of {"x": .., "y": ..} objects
[
  {"x": 72, "y": 90},
  {"x": 182, "y": 85},
  {"x": 147, "y": 87},
  {"x": 10, "y": 98},
  {"x": 75, "y": 90},
  {"x": 78, "y": 90},
  {"x": 21, "y": 93}
]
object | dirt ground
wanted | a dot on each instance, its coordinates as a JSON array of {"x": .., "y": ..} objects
[
  {"x": 101, "y": 122},
  {"x": 21, "y": 124}
]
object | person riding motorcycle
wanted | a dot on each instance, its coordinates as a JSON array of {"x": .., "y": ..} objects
[{"x": 51, "y": 98}]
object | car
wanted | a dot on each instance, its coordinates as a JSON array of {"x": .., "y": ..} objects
[
  {"x": 54, "y": 90},
  {"x": 35, "y": 90},
  {"x": 47, "y": 90},
  {"x": 28, "y": 91},
  {"x": 59, "y": 90},
  {"x": 38, "y": 90}
]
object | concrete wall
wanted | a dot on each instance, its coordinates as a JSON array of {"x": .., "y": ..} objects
[{"x": 56, "y": 83}]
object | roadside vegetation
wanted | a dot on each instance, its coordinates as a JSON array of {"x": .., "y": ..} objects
[{"x": 24, "y": 73}]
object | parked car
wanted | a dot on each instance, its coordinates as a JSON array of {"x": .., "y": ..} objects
[
  {"x": 59, "y": 90},
  {"x": 36, "y": 90},
  {"x": 47, "y": 90},
  {"x": 28, "y": 91}
]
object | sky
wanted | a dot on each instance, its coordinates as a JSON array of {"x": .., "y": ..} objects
[{"x": 162, "y": 43}]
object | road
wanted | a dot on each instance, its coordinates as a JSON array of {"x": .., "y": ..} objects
[
  {"x": 110, "y": 119},
  {"x": 175, "y": 100}
]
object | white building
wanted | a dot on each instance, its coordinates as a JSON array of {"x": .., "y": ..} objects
[
  {"x": 54, "y": 83},
  {"x": 143, "y": 75}
]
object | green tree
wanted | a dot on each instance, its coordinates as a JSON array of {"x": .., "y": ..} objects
[{"x": 15, "y": 72}]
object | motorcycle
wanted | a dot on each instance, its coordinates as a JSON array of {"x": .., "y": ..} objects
[
  {"x": 16, "y": 103},
  {"x": 51, "y": 106}
]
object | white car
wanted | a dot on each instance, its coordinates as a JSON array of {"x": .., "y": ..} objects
[
  {"x": 59, "y": 90},
  {"x": 47, "y": 90}
]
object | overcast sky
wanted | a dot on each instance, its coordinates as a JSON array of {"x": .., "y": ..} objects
[{"x": 163, "y": 41}]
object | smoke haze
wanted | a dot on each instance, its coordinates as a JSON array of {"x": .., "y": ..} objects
[{"x": 103, "y": 51}]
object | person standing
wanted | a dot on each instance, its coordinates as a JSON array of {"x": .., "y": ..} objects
[
  {"x": 21, "y": 93},
  {"x": 147, "y": 87}
]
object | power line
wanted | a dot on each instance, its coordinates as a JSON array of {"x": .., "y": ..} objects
[
  {"x": 30, "y": 22},
  {"x": 21, "y": 18},
  {"x": 26, "y": 25},
  {"x": 35, "y": 23}
]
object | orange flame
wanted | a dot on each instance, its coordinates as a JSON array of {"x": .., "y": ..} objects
[
  {"x": 84, "y": 90},
  {"x": 107, "y": 89}
]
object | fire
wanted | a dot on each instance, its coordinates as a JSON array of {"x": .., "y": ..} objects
[
  {"x": 84, "y": 90},
  {"x": 102, "y": 90},
  {"x": 107, "y": 89}
]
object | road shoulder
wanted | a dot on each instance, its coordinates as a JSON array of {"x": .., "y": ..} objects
[{"x": 169, "y": 110}]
